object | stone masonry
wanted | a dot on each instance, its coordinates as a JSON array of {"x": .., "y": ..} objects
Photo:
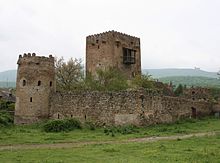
[
  {"x": 113, "y": 49},
  {"x": 139, "y": 107},
  {"x": 35, "y": 84}
]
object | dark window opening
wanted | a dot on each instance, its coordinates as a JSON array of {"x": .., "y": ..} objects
[
  {"x": 24, "y": 82},
  {"x": 128, "y": 56},
  {"x": 104, "y": 42},
  {"x": 117, "y": 44},
  {"x": 71, "y": 116},
  {"x": 85, "y": 117},
  {"x": 97, "y": 41},
  {"x": 93, "y": 44},
  {"x": 51, "y": 83},
  {"x": 58, "y": 116},
  {"x": 194, "y": 113},
  {"x": 193, "y": 92},
  {"x": 98, "y": 46},
  {"x": 39, "y": 83},
  {"x": 31, "y": 99}
]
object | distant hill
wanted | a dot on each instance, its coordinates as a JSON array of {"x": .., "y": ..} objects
[
  {"x": 184, "y": 76},
  {"x": 159, "y": 73},
  {"x": 7, "y": 84},
  {"x": 9, "y": 75},
  {"x": 8, "y": 78},
  {"x": 192, "y": 81}
]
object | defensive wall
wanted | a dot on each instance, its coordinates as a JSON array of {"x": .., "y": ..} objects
[{"x": 125, "y": 107}]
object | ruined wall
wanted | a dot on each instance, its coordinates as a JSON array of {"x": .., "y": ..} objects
[
  {"x": 106, "y": 50},
  {"x": 35, "y": 82},
  {"x": 197, "y": 93},
  {"x": 125, "y": 107}
]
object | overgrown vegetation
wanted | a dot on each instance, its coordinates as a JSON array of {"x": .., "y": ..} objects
[
  {"x": 62, "y": 125},
  {"x": 6, "y": 118},
  {"x": 129, "y": 129},
  {"x": 143, "y": 81},
  {"x": 106, "y": 80},
  {"x": 70, "y": 77},
  {"x": 179, "y": 90}
]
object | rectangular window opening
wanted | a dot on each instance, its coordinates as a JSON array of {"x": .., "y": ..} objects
[
  {"x": 31, "y": 99},
  {"x": 128, "y": 56}
]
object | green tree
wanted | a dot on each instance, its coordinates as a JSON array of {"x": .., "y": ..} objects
[
  {"x": 179, "y": 90},
  {"x": 69, "y": 75},
  {"x": 106, "y": 80},
  {"x": 143, "y": 81}
]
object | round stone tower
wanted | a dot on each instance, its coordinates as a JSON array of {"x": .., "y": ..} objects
[{"x": 35, "y": 83}]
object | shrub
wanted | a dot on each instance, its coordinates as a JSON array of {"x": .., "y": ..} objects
[
  {"x": 62, "y": 125},
  {"x": 5, "y": 119},
  {"x": 130, "y": 129},
  {"x": 90, "y": 125}
]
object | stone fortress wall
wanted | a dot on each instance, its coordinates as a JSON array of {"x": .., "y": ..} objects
[{"x": 125, "y": 107}]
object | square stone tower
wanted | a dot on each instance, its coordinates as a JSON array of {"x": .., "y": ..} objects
[
  {"x": 113, "y": 49},
  {"x": 34, "y": 86}
]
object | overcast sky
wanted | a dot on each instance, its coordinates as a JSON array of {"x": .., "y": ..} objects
[{"x": 174, "y": 33}]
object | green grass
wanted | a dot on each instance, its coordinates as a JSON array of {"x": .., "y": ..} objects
[
  {"x": 33, "y": 134},
  {"x": 204, "y": 149}
]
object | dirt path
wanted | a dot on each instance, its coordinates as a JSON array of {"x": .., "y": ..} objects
[{"x": 79, "y": 144}]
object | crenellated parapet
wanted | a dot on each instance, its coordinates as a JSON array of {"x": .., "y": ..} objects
[
  {"x": 112, "y": 36},
  {"x": 103, "y": 34},
  {"x": 32, "y": 58}
]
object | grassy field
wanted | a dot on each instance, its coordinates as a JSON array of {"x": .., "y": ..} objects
[
  {"x": 33, "y": 134},
  {"x": 202, "y": 149}
]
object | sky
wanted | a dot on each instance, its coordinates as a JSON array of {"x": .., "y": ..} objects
[{"x": 173, "y": 33}]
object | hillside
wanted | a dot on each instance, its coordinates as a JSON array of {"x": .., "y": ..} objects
[
  {"x": 9, "y": 75},
  {"x": 8, "y": 78},
  {"x": 185, "y": 76},
  {"x": 192, "y": 81},
  {"x": 159, "y": 73},
  {"x": 7, "y": 84}
]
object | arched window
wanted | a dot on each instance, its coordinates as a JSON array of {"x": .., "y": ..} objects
[
  {"x": 39, "y": 83},
  {"x": 24, "y": 82}
]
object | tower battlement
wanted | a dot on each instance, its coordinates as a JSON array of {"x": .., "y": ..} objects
[
  {"x": 112, "y": 32},
  {"x": 32, "y": 58}
]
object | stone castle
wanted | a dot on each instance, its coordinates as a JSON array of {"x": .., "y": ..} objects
[{"x": 37, "y": 98}]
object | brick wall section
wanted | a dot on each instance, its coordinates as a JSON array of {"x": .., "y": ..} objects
[{"x": 125, "y": 107}]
